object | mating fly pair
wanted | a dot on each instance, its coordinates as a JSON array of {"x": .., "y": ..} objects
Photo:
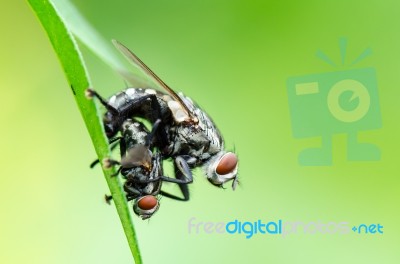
[{"x": 181, "y": 131}]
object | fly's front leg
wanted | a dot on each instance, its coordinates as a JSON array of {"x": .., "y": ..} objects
[
  {"x": 182, "y": 172},
  {"x": 183, "y": 178},
  {"x": 191, "y": 161}
]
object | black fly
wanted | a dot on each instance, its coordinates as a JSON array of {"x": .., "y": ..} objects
[
  {"x": 181, "y": 131},
  {"x": 186, "y": 133},
  {"x": 142, "y": 169}
]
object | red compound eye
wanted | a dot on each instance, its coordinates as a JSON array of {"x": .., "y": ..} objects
[
  {"x": 227, "y": 164},
  {"x": 147, "y": 202}
]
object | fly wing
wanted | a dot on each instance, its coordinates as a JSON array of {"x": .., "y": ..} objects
[
  {"x": 132, "y": 58},
  {"x": 138, "y": 155}
]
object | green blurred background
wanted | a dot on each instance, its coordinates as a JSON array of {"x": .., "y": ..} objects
[{"x": 233, "y": 58}]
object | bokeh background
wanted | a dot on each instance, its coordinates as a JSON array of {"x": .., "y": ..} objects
[{"x": 234, "y": 58}]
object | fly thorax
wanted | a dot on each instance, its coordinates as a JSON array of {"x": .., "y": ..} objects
[
  {"x": 201, "y": 139},
  {"x": 210, "y": 132},
  {"x": 190, "y": 140}
]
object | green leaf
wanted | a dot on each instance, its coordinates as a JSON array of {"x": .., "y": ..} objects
[
  {"x": 81, "y": 29},
  {"x": 72, "y": 62}
]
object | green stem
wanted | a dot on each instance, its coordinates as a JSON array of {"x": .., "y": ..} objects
[{"x": 72, "y": 62}]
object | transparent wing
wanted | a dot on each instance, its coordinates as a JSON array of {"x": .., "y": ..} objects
[{"x": 132, "y": 58}]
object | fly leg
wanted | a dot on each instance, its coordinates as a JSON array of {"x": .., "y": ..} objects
[
  {"x": 108, "y": 198},
  {"x": 183, "y": 178},
  {"x": 131, "y": 192},
  {"x": 108, "y": 163},
  {"x": 90, "y": 93},
  {"x": 95, "y": 162},
  {"x": 150, "y": 136}
]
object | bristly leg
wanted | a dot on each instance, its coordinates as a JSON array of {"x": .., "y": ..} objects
[
  {"x": 108, "y": 163},
  {"x": 183, "y": 178},
  {"x": 108, "y": 198},
  {"x": 150, "y": 136},
  {"x": 90, "y": 93},
  {"x": 111, "y": 141}
]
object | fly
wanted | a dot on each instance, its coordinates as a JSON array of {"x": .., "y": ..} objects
[{"x": 186, "y": 133}]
